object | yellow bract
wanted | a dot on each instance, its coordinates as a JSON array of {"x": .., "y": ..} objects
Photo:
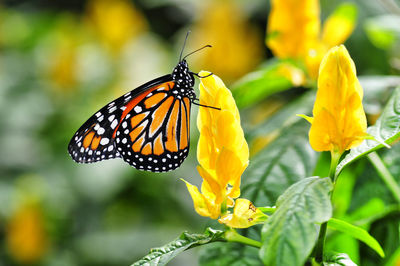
[
  {"x": 244, "y": 214},
  {"x": 339, "y": 25},
  {"x": 237, "y": 46},
  {"x": 115, "y": 21},
  {"x": 294, "y": 30},
  {"x": 293, "y": 25},
  {"x": 222, "y": 152},
  {"x": 339, "y": 121}
]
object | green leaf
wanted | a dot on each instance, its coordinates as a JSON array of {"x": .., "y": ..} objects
[
  {"x": 346, "y": 10},
  {"x": 377, "y": 91},
  {"x": 373, "y": 209},
  {"x": 343, "y": 243},
  {"x": 391, "y": 158},
  {"x": 356, "y": 232},
  {"x": 162, "y": 255},
  {"x": 289, "y": 235},
  {"x": 229, "y": 254},
  {"x": 386, "y": 129},
  {"x": 374, "y": 85},
  {"x": 383, "y": 31},
  {"x": 343, "y": 193},
  {"x": 283, "y": 162},
  {"x": 284, "y": 117},
  {"x": 338, "y": 259},
  {"x": 394, "y": 259},
  {"x": 257, "y": 85}
]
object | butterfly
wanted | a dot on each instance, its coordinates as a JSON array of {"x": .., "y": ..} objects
[{"x": 147, "y": 127}]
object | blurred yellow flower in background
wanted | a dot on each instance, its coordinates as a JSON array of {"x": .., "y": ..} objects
[
  {"x": 27, "y": 240},
  {"x": 293, "y": 25},
  {"x": 61, "y": 70},
  {"x": 64, "y": 65},
  {"x": 339, "y": 121},
  {"x": 115, "y": 21},
  {"x": 238, "y": 46},
  {"x": 223, "y": 155},
  {"x": 294, "y": 31}
]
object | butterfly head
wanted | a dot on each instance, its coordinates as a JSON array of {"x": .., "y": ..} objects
[{"x": 182, "y": 76}]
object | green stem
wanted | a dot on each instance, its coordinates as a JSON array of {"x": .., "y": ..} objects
[
  {"x": 335, "y": 156},
  {"x": 267, "y": 209},
  {"x": 320, "y": 243},
  {"x": 319, "y": 249},
  {"x": 384, "y": 173},
  {"x": 232, "y": 236}
]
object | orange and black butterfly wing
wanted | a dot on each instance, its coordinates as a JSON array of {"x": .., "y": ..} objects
[
  {"x": 95, "y": 139},
  {"x": 154, "y": 134}
]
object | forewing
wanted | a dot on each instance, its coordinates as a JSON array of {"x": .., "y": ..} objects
[{"x": 93, "y": 141}]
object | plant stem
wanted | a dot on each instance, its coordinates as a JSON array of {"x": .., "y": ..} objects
[
  {"x": 384, "y": 173},
  {"x": 232, "y": 236},
  {"x": 335, "y": 156},
  {"x": 319, "y": 249},
  {"x": 320, "y": 243},
  {"x": 267, "y": 209}
]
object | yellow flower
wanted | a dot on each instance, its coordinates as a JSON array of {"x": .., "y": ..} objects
[
  {"x": 292, "y": 73},
  {"x": 64, "y": 53},
  {"x": 237, "y": 47},
  {"x": 26, "y": 237},
  {"x": 293, "y": 25},
  {"x": 294, "y": 30},
  {"x": 115, "y": 21},
  {"x": 222, "y": 152},
  {"x": 339, "y": 25},
  {"x": 339, "y": 121},
  {"x": 244, "y": 214}
]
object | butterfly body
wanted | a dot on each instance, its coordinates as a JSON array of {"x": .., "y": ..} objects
[{"x": 147, "y": 127}]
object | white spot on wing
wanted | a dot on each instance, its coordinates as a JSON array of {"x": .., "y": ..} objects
[
  {"x": 114, "y": 123},
  {"x": 101, "y": 131},
  {"x": 112, "y": 109},
  {"x": 104, "y": 141}
]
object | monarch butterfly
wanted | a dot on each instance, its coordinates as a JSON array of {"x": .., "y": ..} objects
[{"x": 147, "y": 127}]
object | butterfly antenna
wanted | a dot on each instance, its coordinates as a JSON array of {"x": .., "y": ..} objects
[
  {"x": 205, "y": 46},
  {"x": 200, "y": 77},
  {"x": 184, "y": 44},
  {"x": 202, "y": 105}
]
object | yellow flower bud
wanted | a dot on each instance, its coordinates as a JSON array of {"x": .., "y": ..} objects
[{"x": 339, "y": 121}]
